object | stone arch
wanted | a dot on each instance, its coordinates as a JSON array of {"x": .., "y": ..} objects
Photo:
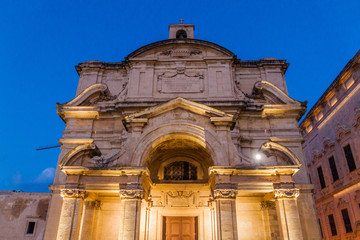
[
  {"x": 88, "y": 150},
  {"x": 278, "y": 150},
  {"x": 189, "y": 137}
]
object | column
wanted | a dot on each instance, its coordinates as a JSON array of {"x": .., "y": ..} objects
[
  {"x": 71, "y": 212},
  {"x": 226, "y": 213},
  {"x": 130, "y": 214},
  {"x": 288, "y": 214}
]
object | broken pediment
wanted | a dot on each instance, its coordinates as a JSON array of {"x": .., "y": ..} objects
[
  {"x": 95, "y": 93},
  {"x": 272, "y": 94}
]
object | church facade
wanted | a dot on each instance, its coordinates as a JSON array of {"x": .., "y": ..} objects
[{"x": 182, "y": 140}]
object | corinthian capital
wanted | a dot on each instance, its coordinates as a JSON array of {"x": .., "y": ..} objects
[
  {"x": 73, "y": 193},
  {"x": 287, "y": 193},
  {"x": 224, "y": 193},
  {"x": 131, "y": 194}
]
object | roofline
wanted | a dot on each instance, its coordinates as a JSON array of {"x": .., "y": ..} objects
[
  {"x": 332, "y": 86},
  {"x": 179, "y": 41}
]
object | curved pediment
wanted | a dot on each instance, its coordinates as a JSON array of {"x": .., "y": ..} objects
[
  {"x": 181, "y": 48},
  {"x": 273, "y": 94},
  {"x": 95, "y": 93},
  {"x": 279, "y": 154}
]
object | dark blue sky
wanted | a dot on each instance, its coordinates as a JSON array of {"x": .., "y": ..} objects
[{"x": 41, "y": 41}]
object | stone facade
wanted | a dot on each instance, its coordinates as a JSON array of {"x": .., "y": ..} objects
[
  {"x": 332, "y": 149},
  {"x": 23, "y": 215},
  {"x": 182, "y": 139}
]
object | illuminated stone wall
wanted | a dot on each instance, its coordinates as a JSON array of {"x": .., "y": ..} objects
[
  {"x": 224, "y": 129},
  {"x": 331, "y": 125}
]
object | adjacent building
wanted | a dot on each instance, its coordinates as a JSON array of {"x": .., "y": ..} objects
[
  {"x": 332, "y": 148},
  {"x": 23, "y": 215},
  {"x": 182, "y": 140}
]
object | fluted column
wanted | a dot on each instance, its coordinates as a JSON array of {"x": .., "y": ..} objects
[
  {"x": 71, "y": 212},
  {"x": 130, "y": 214},
  {"x": 225, "y": 200},
  {"x": 288, "y": 213}
]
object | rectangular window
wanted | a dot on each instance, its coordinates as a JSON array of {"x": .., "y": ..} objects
[
  {"x": 332, "y": 101},
  {"x": 30, "y": 228},
  {"x": 333, "y": 168},
  {"x": 332, "y": 225},
  {"x": 349, "y": 158},
  {"x": 346, "y": 219},
  {"x": 321, "y": 177}
]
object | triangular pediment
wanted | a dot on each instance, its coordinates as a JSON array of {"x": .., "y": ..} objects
[{"x": 179, "y": 102}]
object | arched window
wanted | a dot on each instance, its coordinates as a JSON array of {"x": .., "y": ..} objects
[
  {"x": 180, "y": 170},
  {"x": 181, "y": 34}
]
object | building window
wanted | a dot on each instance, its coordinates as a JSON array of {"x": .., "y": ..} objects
[
  {"x": 321, "y": 177},
  {"x": 349, "y": 158},
  {"x": 332, "y": 101},
  {"x": 333, "y": 168},
  {"x": 319, "y": 116},
  {"x": 30, "y": 228},
  {"x": 309, "y": 128},
  {"x": 180, "y": 170},
  {"x": 346, "y": 219},
  {"x": 332, "y": 225}
]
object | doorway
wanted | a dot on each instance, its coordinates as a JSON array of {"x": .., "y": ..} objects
[{"x": 180, "y": 228}]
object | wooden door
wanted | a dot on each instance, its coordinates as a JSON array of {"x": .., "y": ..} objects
[{"x": 180, "y": 228}]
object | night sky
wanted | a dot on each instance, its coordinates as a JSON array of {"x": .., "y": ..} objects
[{"x": 41, "y": 41}]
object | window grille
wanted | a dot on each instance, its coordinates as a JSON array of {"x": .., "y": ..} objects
[{"x": 180, "y": 170}]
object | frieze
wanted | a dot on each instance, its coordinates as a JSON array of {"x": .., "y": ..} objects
[
  {"x": 225, "y": 193},
  {"x": 286, "y": 193},
  {"x": 131, "y": 194},
  {"x": 73, "y": 193}
]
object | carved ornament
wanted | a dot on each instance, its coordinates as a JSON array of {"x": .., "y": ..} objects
[
  {"x": 73, "y": 193},
  {"x": 341, "y": 131},
  {"x": 267, "y": 205},
  {"x": 180, "y": 198},
  {"x": 225, "y": 193},
  {"x": 131, "y": 194},
  {"x": 173, "y": 52},
  {"x": 180, "y": 82},
  {"x": 286, "y": 193}
]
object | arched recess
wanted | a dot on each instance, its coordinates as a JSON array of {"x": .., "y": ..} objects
[
  {"x": 272, "y": 93},
  {"x": 178, "y": 141},
  {"x": 80, "y": 155},
  {"x": 95, "y": 92},
  {"x": 281, "y": 154}
]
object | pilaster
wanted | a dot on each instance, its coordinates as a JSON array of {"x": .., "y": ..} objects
[
  {"x": 226, "y": 213},
  {"x": 288, "y": 213},
  {"x": 71, "y": 212},
  {"x": 130, "y": 214}
]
